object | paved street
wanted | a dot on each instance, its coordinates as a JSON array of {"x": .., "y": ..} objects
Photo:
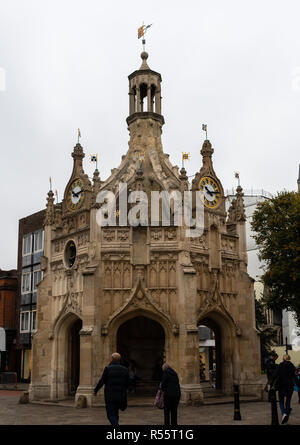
[{"x": 253, "y": 413}]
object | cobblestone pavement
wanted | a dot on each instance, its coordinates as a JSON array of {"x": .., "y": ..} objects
[{"x": 253, "y": 413}]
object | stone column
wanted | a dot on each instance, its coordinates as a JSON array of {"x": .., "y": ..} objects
[
  {"x": 242, "y": 244},
  {"x": 88, "y": 335},
  {"x": 149, "y": 98},
  {"x": 138, "y": 99},
  {"x": 86, "y": 364},
  {"x": 157, "y": 102},
  {"x": 192, "y": 393},
  {"x": 131, "y": 103},
  {"x": 41, "y": 359}
]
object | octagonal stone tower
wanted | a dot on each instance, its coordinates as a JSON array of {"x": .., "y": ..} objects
[{"x": 143, "y": 289}]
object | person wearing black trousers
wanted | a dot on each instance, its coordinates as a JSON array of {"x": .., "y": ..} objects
[
  {"x": 171, "y": 389},
  {"x": 115, "y": 377}
]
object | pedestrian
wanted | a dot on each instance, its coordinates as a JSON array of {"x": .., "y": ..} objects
[
  {"x": 285, "y": 378},
  {"x": 297, "y": 384},
  {"x": 115, "y": 377},
  {"x": 270, "y": 367},
  {"x": 171, "y": 389}
]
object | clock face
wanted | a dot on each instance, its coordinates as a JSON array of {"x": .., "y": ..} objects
[
  {"x": 75, "y": 195},
  {"x": 210, "y": 192}
]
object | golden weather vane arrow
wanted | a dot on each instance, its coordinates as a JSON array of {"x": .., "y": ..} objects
[{"x": 141, "y": 33}]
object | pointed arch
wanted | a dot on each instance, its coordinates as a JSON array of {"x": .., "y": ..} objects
[{"x": 62, "y": 354}]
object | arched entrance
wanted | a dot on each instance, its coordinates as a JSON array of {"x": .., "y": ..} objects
[
  {"x": 210, "y": 354},
  {"x": 141, "y": 340},
  {"x": 66, "y": 357},
  {"x": 223, "y": 359},
  {"x": 74, "y": 356}
]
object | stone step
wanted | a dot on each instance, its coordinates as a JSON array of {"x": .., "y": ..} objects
[
  {"x": 229, "y": 400},
  {"x": 136, "y": 400}
]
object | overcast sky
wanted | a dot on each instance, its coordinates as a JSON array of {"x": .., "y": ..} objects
[{"x": 234, "y": 65}]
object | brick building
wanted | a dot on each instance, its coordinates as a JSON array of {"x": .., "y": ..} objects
[{"x": 8, "y": 327}]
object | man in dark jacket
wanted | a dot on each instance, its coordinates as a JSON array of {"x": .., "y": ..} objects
[
  {"x": 271, "y": 366},
  {"x": 171, "y": 388},
  {"x": 284, "y": 379},
  {"x": 115, "y": 377}
]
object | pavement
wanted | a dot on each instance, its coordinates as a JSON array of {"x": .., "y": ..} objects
[{"x": 252, "y": 413}]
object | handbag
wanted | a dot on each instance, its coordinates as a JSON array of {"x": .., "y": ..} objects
[{"x": 159, "y": 399}]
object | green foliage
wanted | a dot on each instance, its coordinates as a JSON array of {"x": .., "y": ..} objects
[{"x": 276, "y": 223}]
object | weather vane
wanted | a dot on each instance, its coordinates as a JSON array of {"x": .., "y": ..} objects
[
  {"x": 204, "y": 128},
  {"x": 141, "y": 33},
  {"x": 79, "y": 135}
]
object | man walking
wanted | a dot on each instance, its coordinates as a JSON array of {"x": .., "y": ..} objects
[
  {"x": 172, "y": 393},
  {"x": 285, "y": 378},
  {"x": 115, "y": 377},
  {"x": 270, "y": 367}
]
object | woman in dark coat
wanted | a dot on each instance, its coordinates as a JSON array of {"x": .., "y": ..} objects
[{"x": 171, "y": 389}]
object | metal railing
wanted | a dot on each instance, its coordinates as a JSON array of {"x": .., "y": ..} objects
[{"x": 250, "y": 192}]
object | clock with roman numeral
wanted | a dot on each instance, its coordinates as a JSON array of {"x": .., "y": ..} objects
[
  {"x": 210, "y": 192},
  {"x": 75, "y": 195}
]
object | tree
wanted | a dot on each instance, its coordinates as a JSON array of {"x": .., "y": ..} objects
[
  {"x": 276, "y": 223},
  {"x": 267, "y": 334}
]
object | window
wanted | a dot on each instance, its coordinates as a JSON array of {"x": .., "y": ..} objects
[
  {"x": 38, "y": 241},
  {"x": 26, "y": 283},
  {"x": 25, "y": 321},
  {"x": 70, "y": 254},
  {"x": 33, "y": 320},
  {"x": 37, "y": 277},
  {"x": 27, "y": 244}
]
